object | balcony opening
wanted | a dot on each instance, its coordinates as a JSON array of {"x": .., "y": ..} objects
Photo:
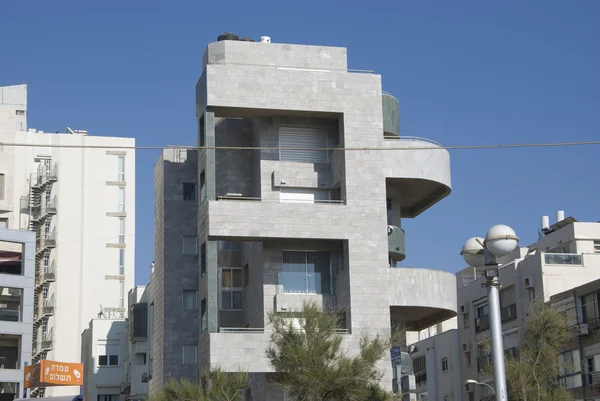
[
  {"x": 11, "y": 302},
  {"x": 11, "y": 258},
  {"x": 9, "y": 391},
  {"x": 10, "y": 351}
]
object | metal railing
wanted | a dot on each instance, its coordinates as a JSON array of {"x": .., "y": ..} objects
[
  {"x": 49, "y": 207},
  {"x": 47, "y": 173},
  {"x": 257, "y": 199},
  {"x": 47, "y": 307},
  {"x": 47, "y": 241},
  {"x": 295, "y": 278},
  {"x": 47, "y": 274},
  {"x": 563, "y": 259},
  {"x": 241, "y": 330}
]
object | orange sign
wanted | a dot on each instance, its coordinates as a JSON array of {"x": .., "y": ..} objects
[{"x": 51, "y": 373}]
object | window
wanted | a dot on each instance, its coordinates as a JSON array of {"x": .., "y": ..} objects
[
  {"x": 420, "y": 369},
  {"x": 231, "y": 288},
  {"x": 189, "y": 299},
  {"x": 121, "y": 200},
  {"x": 203, "y": 316},
  {"x": 466, "y": 321},
  {"x": 140, "y": 359},
  {"x": 444, "y": 364},
  {"x": 122, "y": 262},
  {"x": 121, "y": 230},
  {"x": 4, "y": 222},
  {"x": 508, "y": 304},
  {"x": 190, "y": 245},
  {"x": 569, "y": 369},
  {"x": 189, "y": 191},
  {"x": 469, "y": 359},
  {"x": 246, "y": 274},
  {"x": 190, "y": 354},
  {"x": 303, "y": 145},
  {"x": 2, "y": 185},
  {"x": 306, "y": 272},
  {"x": 482, "y": 321},
  {"x": 201, "y": 132},
  {"x": 203, "y": 259},
  {"x": 247, "y": 394},
  {"x": 121, "y": 174},
  {"x": 108, "y": 397},
  {"x": 108, "y": 354},
  {"x": 589, "y": 307},
  {"x": 202, "y": 186},
  {"x": 531, "y": 295},
  {"x": 20, "y": 112},
  {"x": 483, "y": 357},
  {"x": 138, "y": 326},
  {"x": 596, "y": 246},
  {"x": 121, "y": 294}
]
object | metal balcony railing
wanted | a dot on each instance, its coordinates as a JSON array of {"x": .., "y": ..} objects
[
  {"x": 47, "y": 173},
  {"x": 47, "y": 275},
  {"x": 49, "y": 208},
  {"x": 46, "y": 241}
]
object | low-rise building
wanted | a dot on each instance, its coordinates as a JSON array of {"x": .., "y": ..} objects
[{"x": 17, "y": 265}]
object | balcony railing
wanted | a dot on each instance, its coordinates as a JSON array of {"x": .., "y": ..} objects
[
  {"x": 49, "y": 208},
  {"x": 563, "y": 259},
  {"x": 47, "y": 275},
  {"x": 47, "y": 241},
  {"x": 296, "y": 283},
  {"x": 241, "y": 330},
  {"x": 482, "y": 323},
  {"x": 508, "y": 313},
  {"x": 47, "y": 174}
]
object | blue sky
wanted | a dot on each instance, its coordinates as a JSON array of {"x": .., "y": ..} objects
[{"x": 465, "y": 72}]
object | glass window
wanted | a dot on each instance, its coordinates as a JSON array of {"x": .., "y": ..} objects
[
  {"x": 108, "y": 397},
  {"x": 122, "y": 262},
  {"x": 596, "y": 246},
  {"x": 203, "y": 316},
  {"x": 189, "y": 191},
  {"x": 121, "y": 174},
  {"x": 121, "y": 200},
  {"x": 202, "y": 186},
  {"x": 190, "y": 245},
  {"x": 569, "y": 366},
  {"x": 203, "y": 259},
  {"x": 444, "y": 364},
  {"x": 306, "y": 272},
  {"x": 108, "y": 354},
  {"x": 189, "y": 299},
  {"x": 469, "y": 360},
  {"x": 589, "y": 307},
  {"x": 121, "y": 230},
  {"x": 201, "y": 132},
  {"x": 231, "y": 288},
  {"x": 190, "y": 354}
]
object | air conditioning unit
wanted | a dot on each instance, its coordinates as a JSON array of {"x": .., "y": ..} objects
[
  {"x": 464, "y": 309},
  {"x": 583, "y": 329},
  {"x": 145, "y": 378},
  {"x": 470, "y": 387},
  {"x": 529, "y": 282},
  {"x": 467, "y": 347},
  {"x": 408, "y": 383}
]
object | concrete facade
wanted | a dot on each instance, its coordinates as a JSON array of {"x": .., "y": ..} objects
[
  {"x": 80, "y": 200},
  {"x": 256, "y": 209},
  {"x": 17, "y": 275}
]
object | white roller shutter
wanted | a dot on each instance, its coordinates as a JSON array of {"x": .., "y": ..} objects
[{"x": 311, "y": 140}]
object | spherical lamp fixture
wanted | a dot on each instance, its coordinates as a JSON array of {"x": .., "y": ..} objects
[
  {"x": 501, "y": 240},
  {"x": 472, "y": 252}
]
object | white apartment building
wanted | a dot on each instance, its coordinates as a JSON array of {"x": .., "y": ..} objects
[
  {"x": 114, "y": 354},
  {"x": 242, "y": 233},
  {"x": 17, "y": 264},
  {"x": 77, "y": 192}
]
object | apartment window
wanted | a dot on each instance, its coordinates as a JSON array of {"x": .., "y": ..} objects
[
  {"x": 596, "y": 246},
  {"x": 508, "y": 304},
  {"x": 444, "y": 364},
  {"x": 306, "y": 272},
  {"x": 303, "y": 145},
  {"x": 589, "y": 307},
  {"x": 140, "y": 359},
  {"x": 108, "y": 397},
  {"x": 2, "y": 185},
  {"x": 189, "y": 299},
  {"x": 139, "y": 325},
  {"x": 569, "y": 369},
  {"x": 20, "y": 112},
  {"x": 121, "y": 230},
  {"x": 592, "y": 367},
  {"x": 122, "y": 262},
  {"x": 189, "y": 191},
  {"x": 201, "y": 132},
  {"x": 121, "y": 294},
  {"x": 121, "y": 174},
  {"x": 203, "y": 316},
  {"x": 121, "y": 199},
  {"x": 483, "y": 357},
  {"x": 108, "y": 354},
  {"x": 203, "y": 259},
  {"x": 531, "y": 295},
  {"x": 420, "y": 369},
  {"x": 202, "y": 186},
  {"x": 482, "y": 321},
  {"x": 469, "y": 359},
  {"x": 231, "y": 288},
  {"x": 466, "y": 321},
  {"x": 190, "y": 245},
  {"x": 190, "y": 354}
]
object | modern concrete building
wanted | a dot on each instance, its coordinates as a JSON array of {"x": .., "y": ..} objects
[
  {"x": 17, "y": 265},
  {"x": 114, "y": 354},
  {"x": 79, "y": 198},
  {"x": 240, "y": 233},
  {"x": 566, "y": 255}
]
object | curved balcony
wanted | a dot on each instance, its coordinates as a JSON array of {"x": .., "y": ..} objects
[
  {"x": 421, "y": 297},
  {"x": 416, "y": 178},
  {"x": 396, "y": 243}
]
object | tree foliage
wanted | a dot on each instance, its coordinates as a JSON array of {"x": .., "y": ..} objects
[
  {"x": 311, "y": 364},
  {"x": 531, "y": 374},
  {"x": 220, "y": 386}
]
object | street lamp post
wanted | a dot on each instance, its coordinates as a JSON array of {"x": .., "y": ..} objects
[
  {"x": 471, "y": 381},
  {"x": 482, "y": 253}
]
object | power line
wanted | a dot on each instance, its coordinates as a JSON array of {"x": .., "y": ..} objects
[{"x": 430, "y": 147}]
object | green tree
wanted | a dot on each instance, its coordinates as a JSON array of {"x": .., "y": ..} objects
[
  {"x": 222, "y": 387},
  {"x": 312, "y": 366},
  {"x": 531, "y": 373}
]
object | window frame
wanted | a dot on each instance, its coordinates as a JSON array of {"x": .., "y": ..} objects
[
  {"x": 303, "y": 130},
  {"x": 183, "y": 353},
  {"x": 195, "y": 298},
  {"x": 191, "y": 194},
  {"x": 203, "y": 316},
  {"x": 203, "y": 259},
  {"x": 183, "y": 247},
  {"x": 231, "y": 289},
  {"x": 330, "y": 289},
  {"x": 445, "y": 365}
]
